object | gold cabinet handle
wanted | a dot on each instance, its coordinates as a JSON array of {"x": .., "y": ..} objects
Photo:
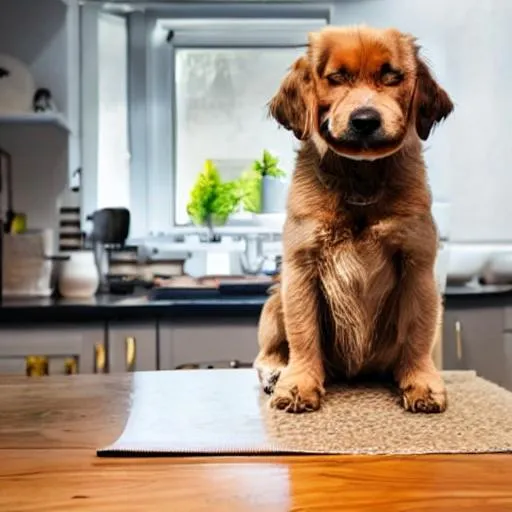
[
  {"x": 36, "y": 366},
  {"x": 458, "y": 339},
  {"x": 100, "y": 358},
  {"x": 71, "y": 365},
  {"x": 131, "y": 350}
]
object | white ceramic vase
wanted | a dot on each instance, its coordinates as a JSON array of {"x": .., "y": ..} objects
[
  {"x": 79, "y": 276},
  {"x": 274, "y": 192}
]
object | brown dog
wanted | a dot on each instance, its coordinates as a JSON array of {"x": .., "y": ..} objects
[{"x": 358, "y": 293}]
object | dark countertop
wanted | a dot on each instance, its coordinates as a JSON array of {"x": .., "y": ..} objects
[
  {"x": 118, "y": 307},
  {"x": 136, "y": 308}
]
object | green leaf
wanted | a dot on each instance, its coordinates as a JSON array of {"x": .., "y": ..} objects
[
  {"x": 212, "y": 200},
  {"x": 250, "y": 184},
  {"x": 268, "y": 165}
]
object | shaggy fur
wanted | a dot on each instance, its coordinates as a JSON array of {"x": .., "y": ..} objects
[{"x": 358, "y": 294}]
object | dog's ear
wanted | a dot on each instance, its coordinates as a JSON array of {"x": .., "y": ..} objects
[
  {"x": 293, "y": 104},
  {"x": 432, "y": 102}
]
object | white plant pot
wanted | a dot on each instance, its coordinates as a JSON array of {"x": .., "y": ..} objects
[
  {"x": 79, "y": 276},
  {"x": 274, "y": 192}
]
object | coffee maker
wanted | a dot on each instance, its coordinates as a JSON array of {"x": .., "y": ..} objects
[{"x": 110, "y": 228}]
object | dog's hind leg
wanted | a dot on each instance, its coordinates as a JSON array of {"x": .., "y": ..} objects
[{"x": 273, "y": 354}]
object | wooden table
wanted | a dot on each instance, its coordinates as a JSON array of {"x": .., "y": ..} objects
[{"x": 50, "y": 428}]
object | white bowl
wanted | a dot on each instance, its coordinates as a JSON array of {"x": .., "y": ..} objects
[
  {"x": 499, "y": 268},
  {"x": 466, "y": 262}
]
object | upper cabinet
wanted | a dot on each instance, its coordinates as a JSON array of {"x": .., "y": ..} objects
[
  {"x": 40, "y": 48},
  {"x": 44, "y": 36}
]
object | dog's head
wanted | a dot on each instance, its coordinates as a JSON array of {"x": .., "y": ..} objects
[{"x": 358, "y": 91}]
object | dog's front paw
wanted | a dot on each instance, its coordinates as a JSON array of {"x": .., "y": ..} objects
[
  {"x": 297, "y": 392},
  {"x": 426, "y": 399}
]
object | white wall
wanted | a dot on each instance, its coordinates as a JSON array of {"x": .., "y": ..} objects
[{"x": 469, "y": 43}]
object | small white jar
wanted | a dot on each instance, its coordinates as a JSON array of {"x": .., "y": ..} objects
[{"x": 79, "y": 276}]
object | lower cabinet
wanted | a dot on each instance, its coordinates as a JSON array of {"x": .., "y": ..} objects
[
  {"x": 53, "y": 350},
  {"x": 508, "y": 360},
  {"x": 208, "y": 343},
  {"x": 132, "y": 347},
  {"x": 474, "y": 339}
]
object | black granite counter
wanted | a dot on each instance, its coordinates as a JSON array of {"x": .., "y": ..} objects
[
  {"x": 137, "y": 308},
  {"x": 115, "y": 307}
]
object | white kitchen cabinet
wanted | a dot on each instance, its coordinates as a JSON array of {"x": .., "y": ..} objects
[
  {"x": 208, "y": 343},
  {"x": 45, "y": 149},
  {"x": 132, "y": 347},
  {"x": 53, "y": 350}
]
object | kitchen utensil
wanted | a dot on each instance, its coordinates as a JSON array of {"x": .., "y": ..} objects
[{"x": 110, "y": 226}]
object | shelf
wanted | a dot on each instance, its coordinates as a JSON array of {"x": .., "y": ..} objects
[{"x": 35, "y": 119}]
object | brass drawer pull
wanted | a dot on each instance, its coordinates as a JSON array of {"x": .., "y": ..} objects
[
  {"x": 36, "y": 366},
  {"x": 458, "y": 339},
  {"x": 71, "y": 366},
  {"x": 131, "y": 353},
  {"x": 100, "y": 358}
]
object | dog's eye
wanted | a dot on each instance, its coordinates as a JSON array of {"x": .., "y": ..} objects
[
  {"x": 390, "y": 76},
  {"x": 340, "y": 77}
]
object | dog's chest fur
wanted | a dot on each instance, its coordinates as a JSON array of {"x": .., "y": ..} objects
[{"x": 357, "y": 277}]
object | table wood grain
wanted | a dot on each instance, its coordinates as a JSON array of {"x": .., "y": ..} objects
[{"x": 50, "y": 428}]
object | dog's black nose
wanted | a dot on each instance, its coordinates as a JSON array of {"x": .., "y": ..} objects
[{"x": 365, "y": 121}]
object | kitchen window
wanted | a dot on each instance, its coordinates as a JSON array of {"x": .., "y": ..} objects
[
  {"x": 220, "y": 113},
  {"x": 208, "y": 82}
]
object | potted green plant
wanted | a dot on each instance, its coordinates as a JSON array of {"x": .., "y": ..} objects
[
  {"x": 273, "y": 186},
  {"x": 250, "y": 189},
  {"x": 212, "y": 201}
]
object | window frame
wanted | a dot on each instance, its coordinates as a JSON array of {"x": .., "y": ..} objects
[{"x": 152, "y": 93}]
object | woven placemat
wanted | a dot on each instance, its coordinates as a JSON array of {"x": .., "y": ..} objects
[{"x": 223, "y": 412}]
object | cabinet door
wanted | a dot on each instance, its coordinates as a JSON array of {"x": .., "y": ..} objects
[
  {"x": 132, "y": 347},
  {"x": 473, "y": 339},
  {"x": 452, "y": 340},
  {"x": 208, "y": 344},
  {"x": 52, "y": 350},
  {"x": 508, "y": 361}
]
